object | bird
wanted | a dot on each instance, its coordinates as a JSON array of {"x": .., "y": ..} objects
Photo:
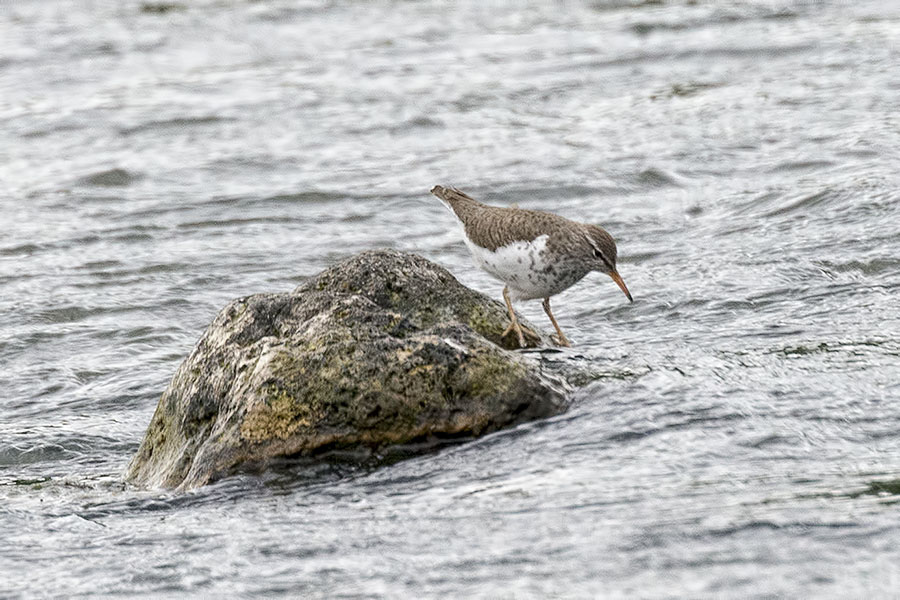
[{"x": 536, "y": 254}]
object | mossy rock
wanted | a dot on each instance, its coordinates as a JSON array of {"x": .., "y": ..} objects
[{"x": 385, "y": 348}]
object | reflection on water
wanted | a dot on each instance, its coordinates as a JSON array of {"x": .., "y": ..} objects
[{"x": 739, "y": 437}]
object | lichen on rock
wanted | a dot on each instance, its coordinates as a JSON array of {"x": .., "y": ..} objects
[{"x": 385, "y": 348}]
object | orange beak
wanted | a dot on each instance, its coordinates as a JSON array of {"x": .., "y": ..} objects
[{"x": 618, "y": 279}]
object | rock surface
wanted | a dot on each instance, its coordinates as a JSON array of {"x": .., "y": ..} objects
[{"x": 385, "y": 348}]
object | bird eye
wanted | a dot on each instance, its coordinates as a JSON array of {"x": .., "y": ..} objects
[{"x": 597, "y": 254}]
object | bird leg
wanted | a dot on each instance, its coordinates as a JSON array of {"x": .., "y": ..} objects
[
  {"x": 514, "y": 322},
  {"x": 562, "y": 337}
]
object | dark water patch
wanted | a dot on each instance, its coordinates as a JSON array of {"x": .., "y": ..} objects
[
  {"x": 796, "y": 527},
  {"x": 55, "y": 129},
  {"x": 310, "y": 197},
  {"x": 146, "y": 340},
  {"x": 806, "y": 350},
  {"x": 638, "y": 258},
  {"x": 257, "y": 163},
  {"x": 42, "y": 452},
  {"x": 223, "y": 201},
  {"x": 718, "y": 17},
  {"x": 677, "y": 420},
  {"x": 644, "y": 28},
  {"x": 776, "y": 204},
  {"x": 119, "y": 396},
  {"x": 621, "y": 437},
  {"x": 77, "y": 314},
  {"x": 138, "y": 501},
  {"x": 111, "y": 178},
  {"x": 613, "y": 5},
  {"x": 760, "y": 442},
  {"x": 161, "y": 8},
  {"x": 85, "y": 240},
  {"x": 147, "y": 502},
  {"x": 237, "y": 222},
  {"x": 417, "y": 124},
  {"x": 694, "y": 210},
  {"x": 803, "y": 204},
  {"x": 802, "y": 166},
  {"x": 873, "y": 267},
  {"x": 684, "y": 90},
  {"x": 35, "y": 484},
  {"x": 175, "y": 303},
  {"x": 48, "y": 390},
  {"x": 654, "y": 177},
  {"x": 472, "y": 101},
  {"x": 888, "y": 347},
  {"x": 676, "y": 56},
  {"x": 109, "y": 279},
  {"x": 281, "y": 13},
  {"x": 798, "y": 102},
  {"x": 174, "y": 267},
  {"x": 142, "y": 332},
  {"x": 20, "y": 251},
  {"x": 154, "y": 213},
  {"x": 102, "y": 48},
  {"x": 858, "y": 153},
  {"x": 66, "y": 314},
  {"x": 885, "y": 489},
  {"x": 890, "y": 487},
  {"x": 35, "y": 338},
  {"x": 296, "y": 280},
  {"x": 516, "y": 193},
  {"x": 181, "y": 124},
  {"x": 88, "y": 199},
  {"x": 831, "y": 297},
  {"x": 132, "y": 229},
  {"x": 136, "y": 237},
  {"x": 357, "y": 217},
  {"x": 781, "y": 14},
  {"x": 99, "y": 265}
]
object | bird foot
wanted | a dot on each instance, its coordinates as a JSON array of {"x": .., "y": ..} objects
[
  {"x": 561, "y": 340},
  {"x": 521, "y": 333}
]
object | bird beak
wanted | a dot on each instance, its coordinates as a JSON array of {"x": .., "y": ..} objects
[{"x": 618, "y": 279}]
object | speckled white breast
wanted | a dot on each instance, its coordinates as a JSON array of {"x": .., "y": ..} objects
[
  {"x": 523, "y": 266},
  {"x": 520, "y": 265}
]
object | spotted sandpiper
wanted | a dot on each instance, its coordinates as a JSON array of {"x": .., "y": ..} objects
[{"x": 536, "y": 254}]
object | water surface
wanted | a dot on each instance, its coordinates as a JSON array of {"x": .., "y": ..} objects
[{"x": 160, "y": 159}]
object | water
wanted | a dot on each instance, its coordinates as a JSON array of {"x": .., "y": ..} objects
[{"x": 160, "y": 159}]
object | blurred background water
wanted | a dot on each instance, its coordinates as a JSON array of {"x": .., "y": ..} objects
[{"x": 158, "y": 159}]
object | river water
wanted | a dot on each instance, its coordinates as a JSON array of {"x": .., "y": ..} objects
[{"x": 160, "y": 159}]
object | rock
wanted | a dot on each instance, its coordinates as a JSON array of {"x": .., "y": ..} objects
[{"x": 385, "y": 348}]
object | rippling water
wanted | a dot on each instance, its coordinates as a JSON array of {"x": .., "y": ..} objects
[{"x": 160, "y": 159}]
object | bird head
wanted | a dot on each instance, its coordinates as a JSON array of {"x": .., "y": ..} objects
[{"x": 602, "y": 247}]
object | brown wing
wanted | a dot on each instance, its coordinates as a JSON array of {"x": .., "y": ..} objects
[{"x": 494, "y": 226}]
